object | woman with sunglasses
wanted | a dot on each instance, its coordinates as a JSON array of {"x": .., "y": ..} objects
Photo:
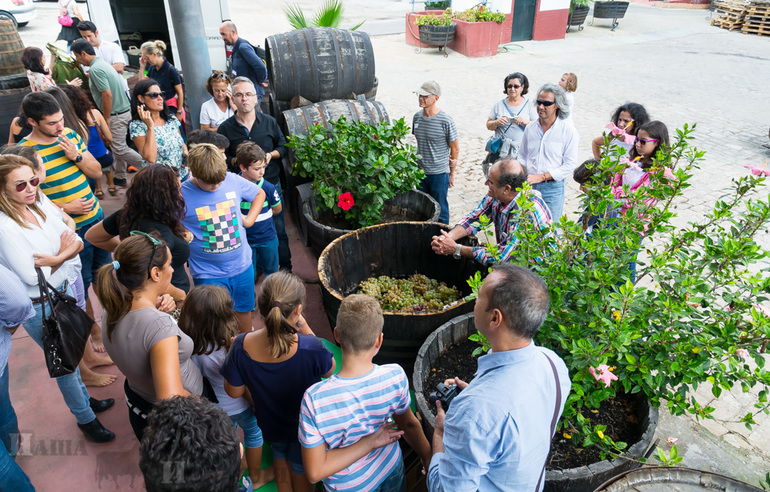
[
  {"x": 629, "y": 118},
  {"x": 146, "y": 344},
  {"x": 221, "y": 106},
  {"x": 154, "y": 203},
  {"x": 511, "y": 115},
  {"x": 156, "y": 133},
  {"x": 30, "y": 238}
]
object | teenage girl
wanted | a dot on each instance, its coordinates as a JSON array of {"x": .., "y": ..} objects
[
  {"x": 277, "y": 365},
  {"x": 629, "y": 117},
  {"x": 208, "y": 318},
  {"x": 568, "y": 82}
]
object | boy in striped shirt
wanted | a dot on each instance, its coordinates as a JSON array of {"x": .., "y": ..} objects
[{"x": 345, "y": 431}]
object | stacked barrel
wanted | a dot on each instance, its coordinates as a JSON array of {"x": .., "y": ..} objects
[{"x": 14, "y": 84}]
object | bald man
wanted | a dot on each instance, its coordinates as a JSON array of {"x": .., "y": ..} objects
[
  {"x": 504, "y": 184},
  {"x": 244, "y": 61}
]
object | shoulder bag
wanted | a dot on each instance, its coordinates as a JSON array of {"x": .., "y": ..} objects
[
  {"x": 65, "y": 329},
  {"x": 555, "y": 418},
  {"x": 494, "y": 142}
]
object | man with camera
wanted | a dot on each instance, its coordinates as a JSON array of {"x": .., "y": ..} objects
[{"x": 497, "y": 431}]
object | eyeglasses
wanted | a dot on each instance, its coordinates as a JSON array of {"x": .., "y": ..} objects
[
  {"x": 155, "y": 95},
  {"x": 545, "y": 103},
  {"x": 248, "y": 95},
  {"x": 513, "y": 86},
  {"x": 645, "y": 141},
  {"x": 22, "y": 185},
  {"x": 155, "y": 244}
]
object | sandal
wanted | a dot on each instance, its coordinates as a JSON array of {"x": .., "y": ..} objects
[
  {"x": 113, "y": 191},
  {"x": 99, "y": 194}
]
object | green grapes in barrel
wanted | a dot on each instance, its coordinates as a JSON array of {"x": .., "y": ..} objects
[{"x": 414, "y": 294}]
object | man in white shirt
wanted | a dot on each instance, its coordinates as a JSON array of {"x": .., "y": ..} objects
[
  {"x": 109, "y": 52},
  {"x": 549, "y": 147}
]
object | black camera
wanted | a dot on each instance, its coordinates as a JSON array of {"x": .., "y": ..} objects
[{"x": 445, "y": 394}]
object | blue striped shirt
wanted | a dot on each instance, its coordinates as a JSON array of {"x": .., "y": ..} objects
[
  {"x": 15, "y": 308},
  {"x": 340, "y": 411}
]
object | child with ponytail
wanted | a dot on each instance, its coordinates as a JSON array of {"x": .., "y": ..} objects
[
  {"x": 208, "y": 317},
  {"x": 276, "y": 365}
]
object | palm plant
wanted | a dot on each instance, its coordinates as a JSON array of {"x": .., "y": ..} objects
[{"x": 329, "y": 15}]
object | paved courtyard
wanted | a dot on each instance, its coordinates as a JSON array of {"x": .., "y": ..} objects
[{"x": 672, "y": 61}]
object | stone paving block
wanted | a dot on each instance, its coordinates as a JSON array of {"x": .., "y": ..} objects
[{"x": 713, "y": 426}]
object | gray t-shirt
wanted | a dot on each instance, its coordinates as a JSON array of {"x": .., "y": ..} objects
[
  {"x": 130, "y": 345},
  {"x": 101, "y": 77},
  {"x": 512, "y": 132},
  {"x": 433, "y": 136}
]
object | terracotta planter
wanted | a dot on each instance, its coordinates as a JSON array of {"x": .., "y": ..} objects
[
  {"x": 397, "y": 249},
  {"x": 477, "y": 39},
  {"x": 584, "y": 478}
]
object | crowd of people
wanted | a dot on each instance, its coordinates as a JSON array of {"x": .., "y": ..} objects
[{"x": 210, "y": 201}]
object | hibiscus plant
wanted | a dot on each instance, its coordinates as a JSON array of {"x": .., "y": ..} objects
[
  {"x": 356, "y": 167},
  {"x": 695, "y": 315}
]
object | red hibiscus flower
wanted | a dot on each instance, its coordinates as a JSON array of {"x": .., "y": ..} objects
[{"x": 346, "y": 201}]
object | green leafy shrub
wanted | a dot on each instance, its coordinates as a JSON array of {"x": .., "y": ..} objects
[
  {"x": 444, "y": 19},
  {"x": 480, "y": 13},
  {"x": 370, "y": 163},
  {"x": 694, "y": 314}
]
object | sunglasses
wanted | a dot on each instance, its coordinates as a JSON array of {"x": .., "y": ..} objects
[
  {"x": 220, "y": 75},
  {"x": 155, "y": 95},
  {"x": 645, "y": 141},
  {"x": 21, "y": 186},
  {"x": 155, "y": 244},
  {"x": 513, "y": 86},
  {"x": 545, "y": 103}
]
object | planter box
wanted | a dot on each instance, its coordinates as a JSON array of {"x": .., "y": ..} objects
[
  {"x": 577, "y": 17},
  {"x": 472, "y": 39},
  {"x": 437, "y": 35},
  {"x": 610, "y": 10}
]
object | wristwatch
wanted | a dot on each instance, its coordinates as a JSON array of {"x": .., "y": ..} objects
[
  {"x": 457, "y": 254},
  {"x": 79, "y": 159}
]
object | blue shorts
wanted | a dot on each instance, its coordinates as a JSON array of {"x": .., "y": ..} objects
[
  {"x": 291, "y": 451},
  {"x": 252, "y": 434},
  {"x": 240, "y": 287}
]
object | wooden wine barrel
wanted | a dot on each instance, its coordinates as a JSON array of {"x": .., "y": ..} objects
[
  {"x": 10, "y": 102},
  {"x": 663, "y": 479},
  {"x": 11, "y": 49},
  {"x": 298, "y": 120},
  {"x": 320, "y": 63},
  {"x": 414, "y": 205},
  {"x": 398, "y": 249}
]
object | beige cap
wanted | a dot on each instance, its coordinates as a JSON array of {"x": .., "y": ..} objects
[{"x": 429, "y": 88}]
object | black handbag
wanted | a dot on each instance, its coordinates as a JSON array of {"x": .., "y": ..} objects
[{"x": 65, "y": 330}]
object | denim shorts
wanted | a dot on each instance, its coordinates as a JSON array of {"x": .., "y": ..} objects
[
  {"x": 240, "y": 287},
  {"x": 252, "y": 434},
  {"x": 291, "y": 451}
]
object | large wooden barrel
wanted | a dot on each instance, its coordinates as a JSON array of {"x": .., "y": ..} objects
[
  {"x": 320, "y": 63},
  {"x": 412, "y": 206},
  {"x": 11, "y": 49},
  {"x": 398, "y": 249},
  {"x": 662, "y": 479},
  {"x": 298, "y": 120}
]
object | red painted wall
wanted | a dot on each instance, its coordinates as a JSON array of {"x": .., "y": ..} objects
[{"x": 551, "y": 24}]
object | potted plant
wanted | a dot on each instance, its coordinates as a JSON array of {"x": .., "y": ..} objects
[
  {"x": 694, "y": 316},
  {"x": 436, "y": 30},
  {"x": 611, "y": 9},
  {"x": 578, "y": 11},
  {"x": 359, "y": 172},
  {"x": 479, "y": 32}
]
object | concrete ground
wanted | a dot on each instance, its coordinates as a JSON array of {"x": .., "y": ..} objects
[{"x": 672, "y": 61}]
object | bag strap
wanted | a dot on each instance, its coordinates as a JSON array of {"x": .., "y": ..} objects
[
  {"x": 555, "y": 413},
  {"x": 45, "y": 294}
]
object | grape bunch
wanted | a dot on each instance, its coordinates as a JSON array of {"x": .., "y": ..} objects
[{"x": 414, "y": 294}]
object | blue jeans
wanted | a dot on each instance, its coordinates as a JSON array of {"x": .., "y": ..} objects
[
  {"x": 71, "y": 386},
  {"x": 264, "y": 256},
  {"x": 437, "y": 186},
  {"x": 553, "y": 196},
  {"x": 291, "y": 451},
  {"x": 91, "y": 257},
  {"x": 252, "y": 434},
  {"x": 395, "y": 482},
  {"x": 284, "y": 253}
]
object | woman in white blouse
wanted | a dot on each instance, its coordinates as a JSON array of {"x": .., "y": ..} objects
[
  {"x": 30, "y": 238},
  {"x": 220, "y": 107}
]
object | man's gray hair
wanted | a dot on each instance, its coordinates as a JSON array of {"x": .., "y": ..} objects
[
  {"x": 560, "y": 97},
  {"x": 521, "y": 296},
  {"x": 242, "y": 80},
  {"x": 510, "y": 174}
]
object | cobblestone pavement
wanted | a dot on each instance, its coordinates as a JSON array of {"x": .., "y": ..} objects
[{"x": 672, "y": 61}]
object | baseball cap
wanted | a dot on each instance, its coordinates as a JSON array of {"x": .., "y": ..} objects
[{"x": 429, "y": 88}]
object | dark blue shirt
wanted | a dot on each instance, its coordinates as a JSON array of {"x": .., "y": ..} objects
[
  {"x": 265, "y": 132},
  {"x": 246, "y": 63},
  {"x": 167, "y": 77},
  {"x": 278, "y": 387}
]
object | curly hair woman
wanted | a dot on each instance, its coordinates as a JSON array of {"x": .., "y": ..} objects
[{"x": 153, "y": 203}]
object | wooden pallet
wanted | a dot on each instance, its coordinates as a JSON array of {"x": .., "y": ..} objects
[
  {"x": 759, "y": 31},
  {"x": 730, "y": 25}
]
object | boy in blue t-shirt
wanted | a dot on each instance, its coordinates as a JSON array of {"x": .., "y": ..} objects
[
  {"x": 262, "y": 236},
  {"x": 218, "y": 254},
  {"x": 347, "y": 438}
]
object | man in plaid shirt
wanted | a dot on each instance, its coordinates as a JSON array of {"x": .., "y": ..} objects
[{"x": 504, "y": 181}]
